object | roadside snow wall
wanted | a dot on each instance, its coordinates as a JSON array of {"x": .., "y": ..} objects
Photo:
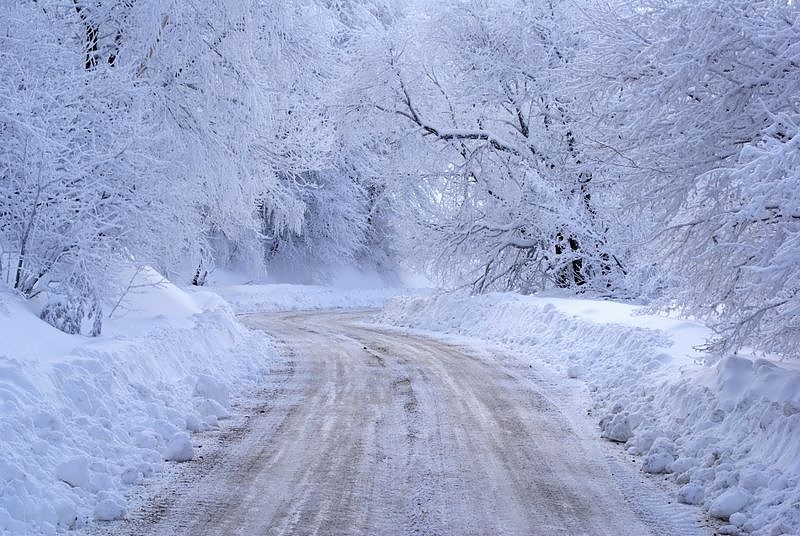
[
  {"x": 727, "y": 433},
  {"x": 82, "y": 420}
]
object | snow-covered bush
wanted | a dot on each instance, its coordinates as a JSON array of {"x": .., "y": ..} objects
[{"x": 69, "y": 312}]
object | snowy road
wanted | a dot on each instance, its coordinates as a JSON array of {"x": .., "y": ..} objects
[{"x": 380, "y": 432}]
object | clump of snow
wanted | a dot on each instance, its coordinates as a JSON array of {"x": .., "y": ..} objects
[
  {"x": 574, "y": 371},
  {"x": 179, "y": 448},
  {"x": 211, "y": 410},
  {"x": 738, "y": 519},
  {"x": 728, "y": 432},
  {"x": 657, "y": 463},
  {"x": 731, "y": 501},
  {"x": 683, "y": 464},
  {"x": 110, "y": 507},
  {"x": 83, "y": 419},
  {"x": 194, "y": 424},
  {"x": 74, "y": 472},
  {"x": 691, "y": 493},
  {"x": 617, "y": 428},
  {"x": 210, "y": 388}
]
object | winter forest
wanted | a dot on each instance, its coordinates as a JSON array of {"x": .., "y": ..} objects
[{"x": 644, "y": 151}]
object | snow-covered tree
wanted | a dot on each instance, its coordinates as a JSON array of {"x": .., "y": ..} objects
[
  {"x": 331, "y": 236},
  {"x": 152, "y": 132},
  {"x": 701, "y": 107},
  {"x": 516, "y": 201},
  {"x": 79, "y": 188},
  {"x": 348, "y": 215},
  {"x": 633, "y": 149}
]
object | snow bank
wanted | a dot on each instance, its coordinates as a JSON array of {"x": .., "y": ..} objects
[
  {"x": 285, "y": 297},
  {"x": 82, "y": 420},
  {"x": 728, "y": 434}
]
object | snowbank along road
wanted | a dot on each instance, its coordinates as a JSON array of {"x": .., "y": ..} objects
[{"x": 382, "y": 432}]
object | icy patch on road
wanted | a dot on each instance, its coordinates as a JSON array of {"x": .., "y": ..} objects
[
  {"x": 728, "y": 434},
  {"x": 82, "y": 420}
]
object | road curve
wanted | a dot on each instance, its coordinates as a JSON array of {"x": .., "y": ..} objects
[{"x": 388, "y": 433}]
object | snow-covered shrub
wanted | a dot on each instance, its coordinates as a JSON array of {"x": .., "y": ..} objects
[{"x": 70, "y": 312}]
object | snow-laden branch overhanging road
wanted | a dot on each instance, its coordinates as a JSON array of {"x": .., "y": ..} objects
[{"x": 378, "y": 431}]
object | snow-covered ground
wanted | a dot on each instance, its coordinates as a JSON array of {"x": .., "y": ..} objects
[
  {"x": 285, "y": 297},
  {"x": 727, "y": 433},
  {"x": 83, "y": 419}
]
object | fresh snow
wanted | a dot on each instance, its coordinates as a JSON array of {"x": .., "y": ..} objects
[
  {"x": 727, "y": 431},
  {"x": 84, "y": 419},
  {"x": 286, "y": 297}
]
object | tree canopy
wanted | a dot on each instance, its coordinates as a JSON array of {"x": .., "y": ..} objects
[{"x": 633, "y": 150}]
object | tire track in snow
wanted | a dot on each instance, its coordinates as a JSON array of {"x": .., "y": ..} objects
[
  {"x": 390, "y": 433},
  {"x": 657, "y": 509}
]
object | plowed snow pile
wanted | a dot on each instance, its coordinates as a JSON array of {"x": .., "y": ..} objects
[
  {"x": 84, "y": 419},
  {"x": 727, "y": 433}
]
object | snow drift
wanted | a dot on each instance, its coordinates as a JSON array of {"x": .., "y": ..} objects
[
  {"x": 83, "y": 419},
  {"x": 727, "y": 433}
]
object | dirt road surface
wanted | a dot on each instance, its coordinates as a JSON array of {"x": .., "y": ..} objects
[{"x": 381, "y": 432}]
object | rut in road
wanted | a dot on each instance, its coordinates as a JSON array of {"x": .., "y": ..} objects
[{"x": 395, "y": 434}]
